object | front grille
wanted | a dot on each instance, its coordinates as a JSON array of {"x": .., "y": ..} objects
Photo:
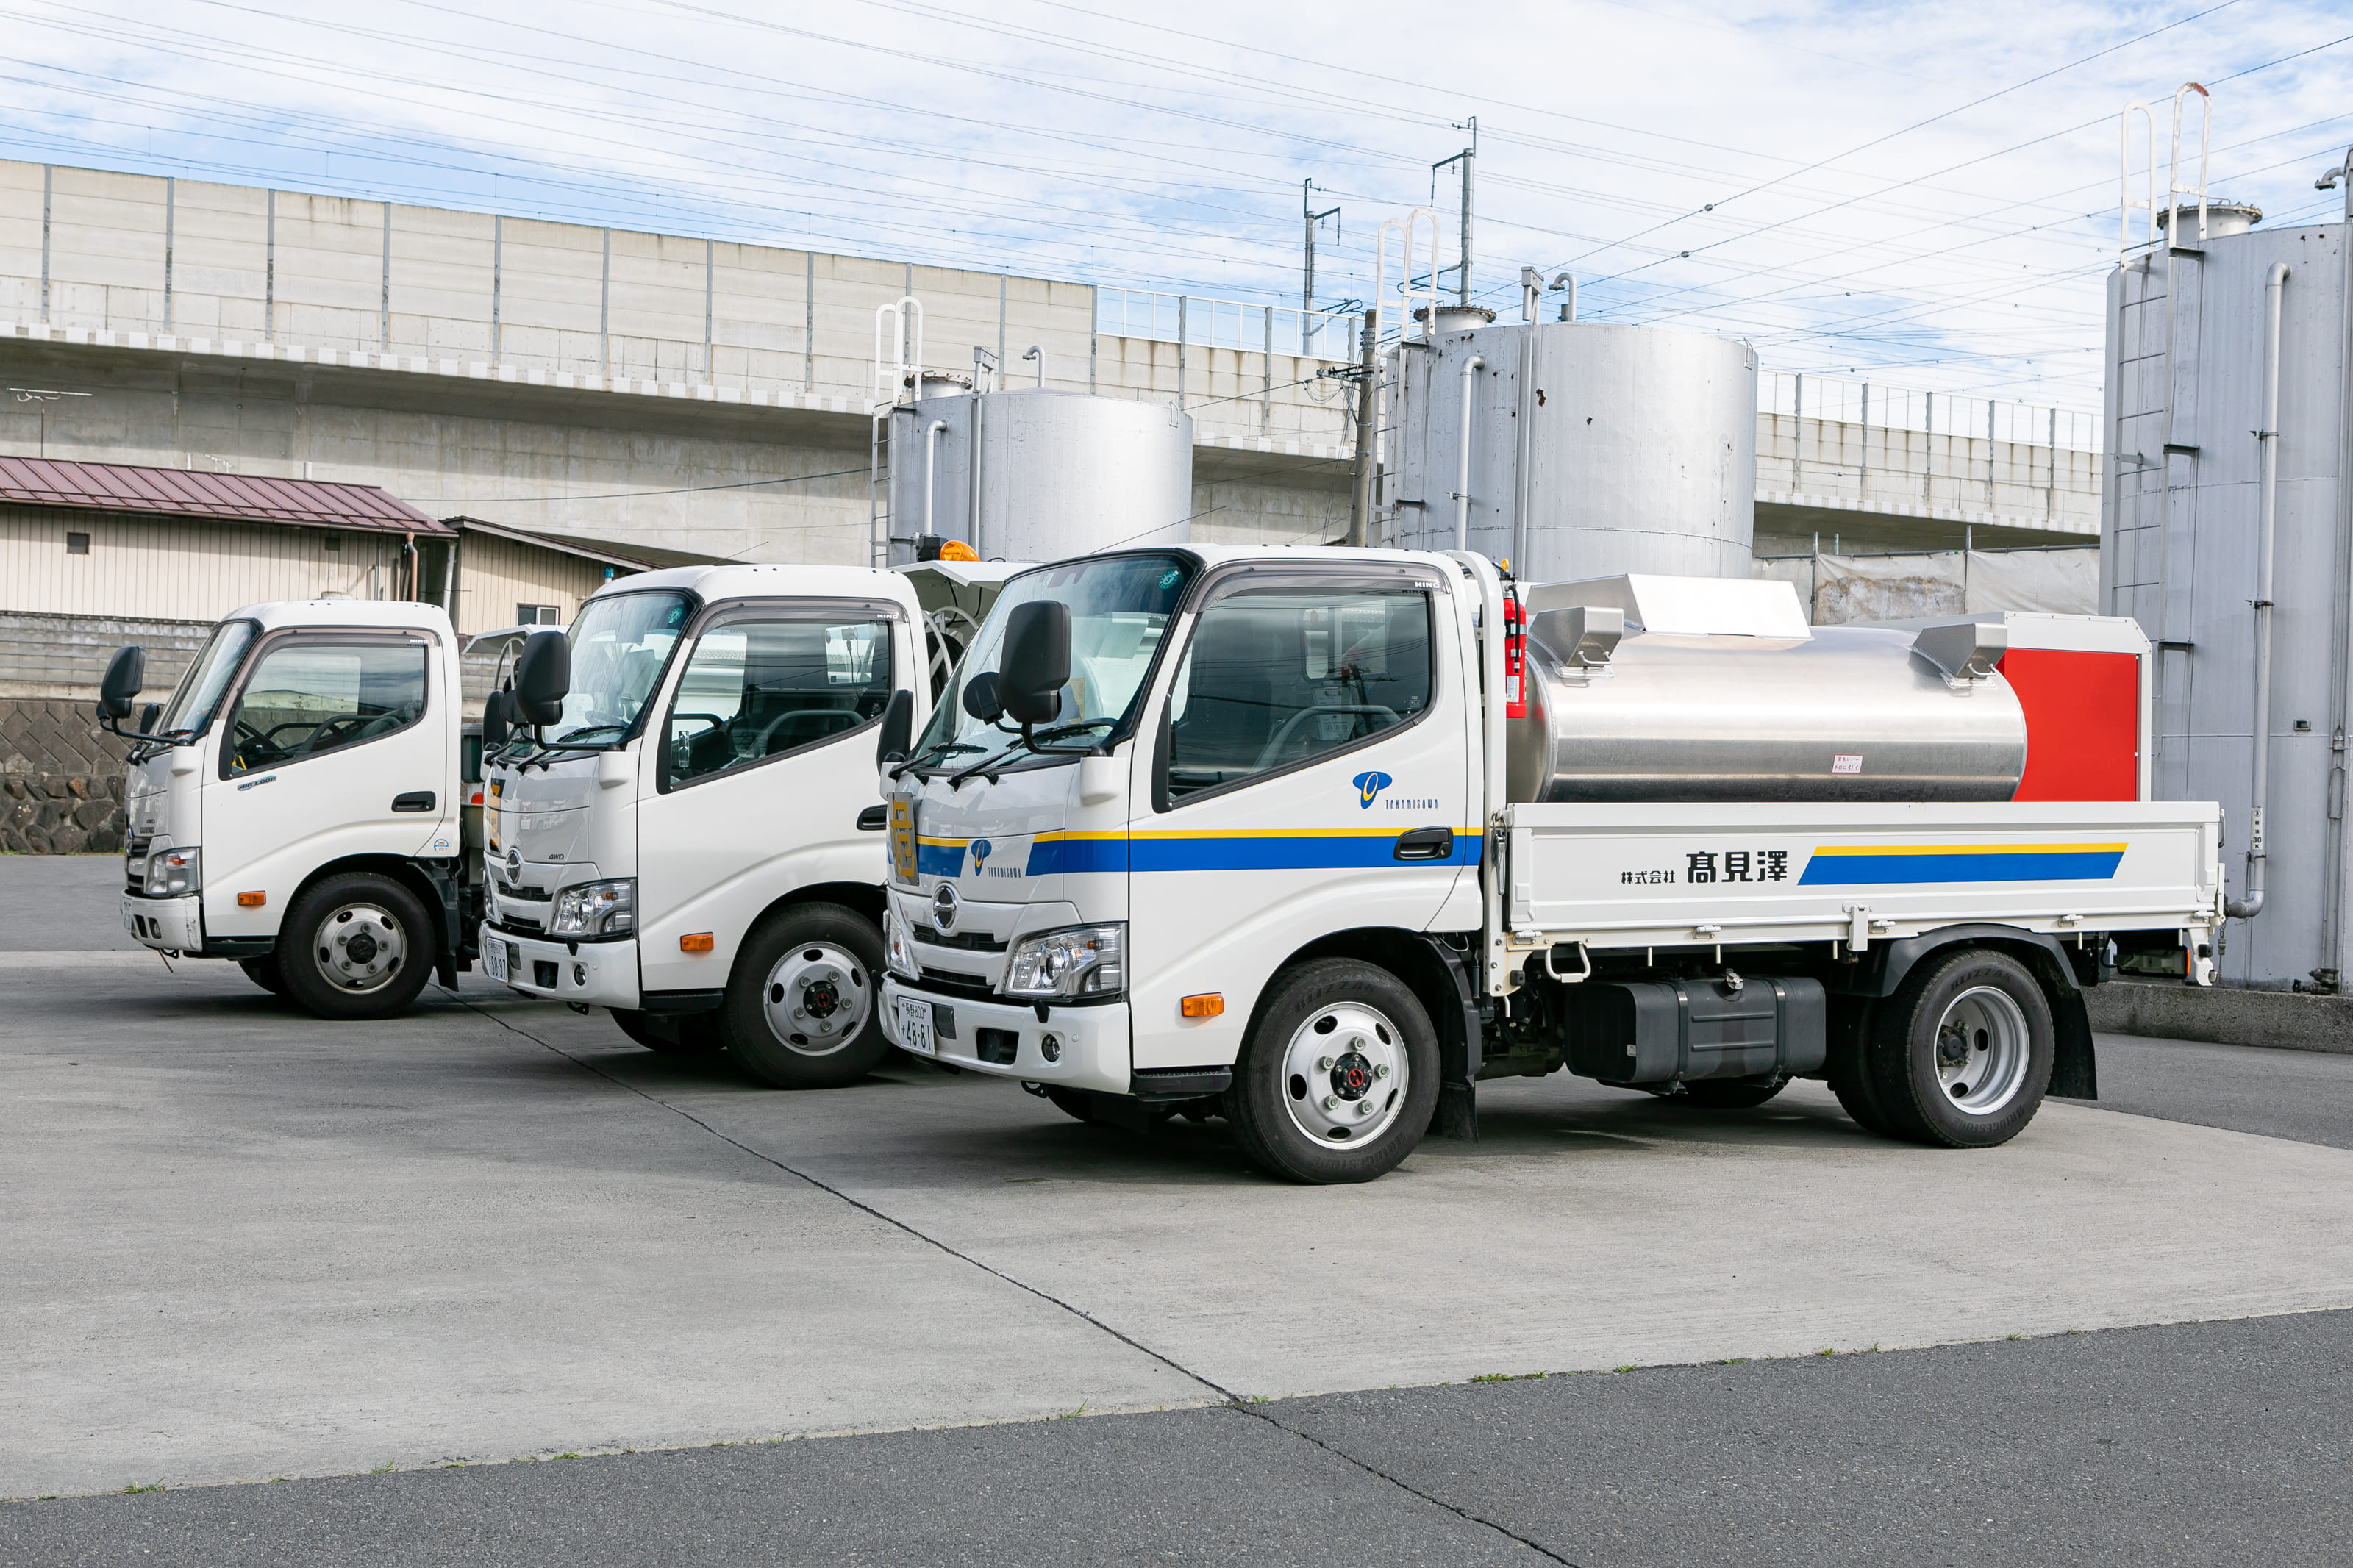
[
  {"x": 966, "y": 941},
  {"x": 134, "y": 865},
  {"x": 529, "y": 895}
]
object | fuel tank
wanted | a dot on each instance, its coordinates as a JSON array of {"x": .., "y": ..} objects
[{"x": 1654, "y": 689}]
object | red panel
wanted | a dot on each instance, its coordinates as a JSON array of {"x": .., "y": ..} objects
[{"x": 2083, "y": 723}]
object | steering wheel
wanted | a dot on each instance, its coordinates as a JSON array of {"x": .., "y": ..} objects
[
  {"x": 337, "y": 730},
  {"x": 249, "y": 742},
  {"x": 1282, "y": 736}
]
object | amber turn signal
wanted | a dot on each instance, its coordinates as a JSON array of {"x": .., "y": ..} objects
[
  {"x": 696, "y": 941},
  {"x": 1207, "y": 1004},
  {"x": 251, "y": 900}
]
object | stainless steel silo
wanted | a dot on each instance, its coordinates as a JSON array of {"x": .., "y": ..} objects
[
  {"x": 2227, "y": 357},
  {"x": 1035, "y": 475},
  {"x": 1575, "y": 449}
]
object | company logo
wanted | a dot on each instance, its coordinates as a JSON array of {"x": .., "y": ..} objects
[
  {"x": 944, "y": 907},
  {"x": 514, "y": 861},
  {"x": 1368, "y": 786},
  {"x": 981, "y": 850}
]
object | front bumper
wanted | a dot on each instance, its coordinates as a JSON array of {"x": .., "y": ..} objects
[
  {"x": 1095, "y": 1045},
  {"x": 600, "y": 973},
  {"x": 167, "y": 925}
]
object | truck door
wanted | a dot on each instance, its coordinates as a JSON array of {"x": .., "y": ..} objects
[
  {"x": 332, "y": 748},
  {"x": 1316, "y": 779},
  {"x": 755, "y": 777}
]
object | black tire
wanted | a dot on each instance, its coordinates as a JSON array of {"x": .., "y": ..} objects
[
  {"x": 794, "y": 951},
  {"x": 671, "y": 1034},
  {"x": 1075, "y": 1103},
  {"x": 1941, "y": 1065},
  {"x": 1388, "y": 1018},
  {"x": 325, "y": 928},
  {"x": 264, "y": 971},
  {"x": 1729, "y": 1093}
]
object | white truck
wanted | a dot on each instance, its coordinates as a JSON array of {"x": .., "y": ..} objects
[
  {"x": 691, "y": 836},
  {"x": 1317, "y": 839},
  {"x": 302, "y": 803}
]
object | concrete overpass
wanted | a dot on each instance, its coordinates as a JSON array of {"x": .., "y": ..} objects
[{"x": 711, "y": 395}]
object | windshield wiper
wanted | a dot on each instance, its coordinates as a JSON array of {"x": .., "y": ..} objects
[
  {"x": 585, "y": 730},
  {"x": 1082, "y": 724},
  {"x": 931, "y": 754},
  {"x": 983, "y": 765}
]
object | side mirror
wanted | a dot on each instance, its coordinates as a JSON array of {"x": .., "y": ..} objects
[
  {"x": 980, "y": 698},
  {"x": 126, "y": 674},
  {"x": 1037, "y": 661},
  {"x": 898, "y": 729},
  {"x": 495, "y": 722},
  {"x": 148, "y": 717},
  {"x": 542, "y": 677}
]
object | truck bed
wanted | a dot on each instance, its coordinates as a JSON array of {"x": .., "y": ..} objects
[{"x": 1675, "y": 873}]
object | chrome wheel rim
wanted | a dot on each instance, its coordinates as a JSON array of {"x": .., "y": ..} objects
[
  {"x": 360, "y": 947},
  {"x": 818, "y": 999},
  {"x": 1983, "y": 1048},
  {"x": 1345, "y": 1076}
]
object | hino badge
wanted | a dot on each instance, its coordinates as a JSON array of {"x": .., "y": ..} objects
[{"x": 1317, "y": 839}]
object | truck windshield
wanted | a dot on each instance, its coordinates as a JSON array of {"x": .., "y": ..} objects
[
  {"x": 1119, "y": 606},
  {"x": 620, "y": 645},
  {"x": 199, "y": 692}
]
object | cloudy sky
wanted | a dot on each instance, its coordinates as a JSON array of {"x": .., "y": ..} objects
[{"x": 1925, "y": 194}]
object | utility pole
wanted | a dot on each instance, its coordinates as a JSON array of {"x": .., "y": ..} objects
[
  {"x": 1360, "y": 489},
  {"x": 1307, "y": 211},
  {"x": 1468, "y": 158}
]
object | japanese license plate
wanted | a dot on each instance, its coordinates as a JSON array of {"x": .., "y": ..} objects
[
  {"x": 494, "y": 959},
  {"x": 915, "y": 1026}
]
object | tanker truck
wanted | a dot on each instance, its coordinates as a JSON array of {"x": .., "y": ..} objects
[{"x": 1318, "y": 840}]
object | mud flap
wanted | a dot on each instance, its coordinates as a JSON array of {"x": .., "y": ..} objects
[
  {"x": 1456, "y": 1113},
  {"x": 2075, "y": 1071}
]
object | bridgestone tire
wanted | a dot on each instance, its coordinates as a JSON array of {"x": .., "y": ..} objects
[
  {"x": 306, "y": 943},
  {"x": 688, "y": 1035},
  {"x": 263, "y": 972},
  {"x": 1930, "y": 1045},
  {"x": 1728, "y": 1093},
  {"x": 851, "y": 949},
  {"x": 1259, "y": 1106}
]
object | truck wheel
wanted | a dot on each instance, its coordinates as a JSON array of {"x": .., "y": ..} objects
[
  {"x": 1962, "y": 1053},
  {"x": 263, "y": 972},
  {"x": 357, "y": 945},
  {"x": 1337, "y": 1079},
  {"x": 804, "y": 1006},
  {"x": 1729, "y": 1093},
  {"x": 671, "y": 1034}
]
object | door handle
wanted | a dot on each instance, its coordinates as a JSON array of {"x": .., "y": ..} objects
[
  {"x": 874, "y": 820},
  {"x": 415, "y": 800},
  {"x": 1426, "y": 844}
]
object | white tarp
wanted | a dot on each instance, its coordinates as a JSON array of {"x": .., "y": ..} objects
[{"x": 1845, "y": 588}]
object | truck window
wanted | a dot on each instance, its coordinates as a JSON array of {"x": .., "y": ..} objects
[
  {"x": 1276, "y": 677},
  {"x": 192, "y": 704},
  {"x": 308, "y": 697},
  {"x": 758, "y": 688}
]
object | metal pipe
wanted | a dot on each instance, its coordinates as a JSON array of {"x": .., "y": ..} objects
[
  {"x": 930, "y": 465},
  {"x": 1471, "y": 367},
  {"x": 2259, "y": 791}
]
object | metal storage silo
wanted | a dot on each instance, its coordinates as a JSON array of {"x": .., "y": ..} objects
[
  {"x": 1033, "y": 475},
  {"x": 1573, "y": 449},
  {"x": 2228, "y": 533}
]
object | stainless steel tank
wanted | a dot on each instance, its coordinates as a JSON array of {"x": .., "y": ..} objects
[
  {"x": 1036, "y": 475},
  {"x": 1592, "y": 449},
  {"x": 1774, "y": 710}
]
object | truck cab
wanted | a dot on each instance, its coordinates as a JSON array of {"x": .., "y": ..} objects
[
  {"x": 694, "y": 839},
  {"x": 1317, "y": 839},
  {"x": 299, "y": 804}
]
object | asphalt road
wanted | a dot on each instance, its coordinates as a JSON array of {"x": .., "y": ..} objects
[
  {"x": 2193, "y": 1444},
  {"x": 494, "y": 1208}
]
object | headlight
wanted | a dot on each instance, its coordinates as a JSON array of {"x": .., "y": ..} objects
[
  {"x": 175, "y": 871},
  {"x": 1084, "y": 961},
  {"x": 596, "y": 909},
  {"x": 898, "y": 953}
]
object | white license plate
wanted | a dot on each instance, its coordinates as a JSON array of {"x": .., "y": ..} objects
[
  {"x": 494, "y": 959},
  {"x": 915, "y": 1026}
]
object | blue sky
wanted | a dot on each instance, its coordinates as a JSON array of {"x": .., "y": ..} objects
[{"x": 1925, "y": 194}]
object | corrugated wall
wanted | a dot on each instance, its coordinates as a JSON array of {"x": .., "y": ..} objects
[
  {"x": 177, "y": 568},
  {"x": 495, "y": 576}
]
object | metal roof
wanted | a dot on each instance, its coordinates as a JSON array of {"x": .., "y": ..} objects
[
  {"x": 612, "y": 552},
  {"x": 189, "y": 492}
]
